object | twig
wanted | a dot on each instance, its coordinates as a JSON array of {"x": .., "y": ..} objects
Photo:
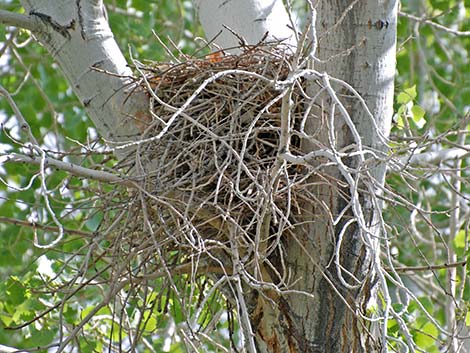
[
  {"x": 43, "y": 226},
  {"x": 428, "y": 267},
  {"x": 435, "y": 25},
  {"x": 435, "y": 157},
  {"x": 24, "y": 126},
  {"x": 71, "y": 168}
]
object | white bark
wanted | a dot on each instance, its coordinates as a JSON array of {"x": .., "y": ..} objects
[
  {"x": 356, "y": 43},
  {"x": 434, "y": 157},
  {"x": 249, "y": 19},
  {"x": 18, "y": 20},
  {"x": 78, "y": 36}
]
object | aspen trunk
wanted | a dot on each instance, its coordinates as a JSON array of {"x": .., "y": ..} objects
[
  {"x": 78, "y": 36},
  {"x": 356, "y": 43}
]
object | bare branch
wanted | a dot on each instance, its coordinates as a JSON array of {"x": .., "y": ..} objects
[
  {"x": 436, "y": 157},
  {"x": 71, "y": 168},
  {"x": 429, "y": 267},
  {"x": 435, "y": 25},
  {"x": 24, "y": 126},
  {"x": 43, "y": 227}
]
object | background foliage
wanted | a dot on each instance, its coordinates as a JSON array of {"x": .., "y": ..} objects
[
  {"x": 431, "y": 226},
  {"x": 427, "y": 222}
]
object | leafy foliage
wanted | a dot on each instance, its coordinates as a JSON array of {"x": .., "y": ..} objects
[{"x": 431, "y": 226}]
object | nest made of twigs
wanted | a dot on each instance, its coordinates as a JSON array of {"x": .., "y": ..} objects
[{"x": 209, "y": 157}]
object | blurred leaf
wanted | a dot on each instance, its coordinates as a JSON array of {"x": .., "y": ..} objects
[
  {"x": 459, "y": 240},
  {"x": 426, "y": 337},
  {"x": 407, "y": 95},
  {"x": 16, "y": 291},
  {"x": 149, "y": 322},
  {"x": 93, "y": 222},
  {"x": 418, "y": 116}
]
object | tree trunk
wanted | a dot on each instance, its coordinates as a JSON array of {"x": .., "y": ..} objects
[
  {"x": 77, "y": 35},
  {"x": 367, "y": 34},
  {"x": 229, "y": 24},
  {"x": 356, "y": 43}
]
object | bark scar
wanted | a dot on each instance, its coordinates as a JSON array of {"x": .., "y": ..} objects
[
  {"x": 63, "y": 30},
  {"x": 379, "y": 24},
  {"x": 80, "y": 19}
]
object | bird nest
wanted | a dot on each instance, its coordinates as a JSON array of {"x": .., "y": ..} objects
[{"x": 213, "y": 185}]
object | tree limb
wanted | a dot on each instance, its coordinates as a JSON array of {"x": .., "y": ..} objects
[
  {"x": 18, "y": 20},
  {"x": 435, "y": 25},
  {"x": 111, "y": 100},
  {"x": 436, "y": 157}
]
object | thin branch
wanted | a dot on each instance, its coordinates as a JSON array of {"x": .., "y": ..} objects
[
  {"x": 43, "y": 227},
  {"x": 71, "y": 168},
  {"x": 24, "y": 126},
  {"x": 18, "y": 20},
  {"x": 429, "y": 267},
  {"x": 435, "y": 25}
]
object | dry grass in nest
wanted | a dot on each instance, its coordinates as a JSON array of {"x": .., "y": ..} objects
[{"x": 215, "y": 187}]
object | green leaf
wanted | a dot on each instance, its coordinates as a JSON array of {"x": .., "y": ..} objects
[
  {"x": 426, "y": 302},
  {"x": 16, "y": 291},
  {"x": 426, "y": 337},
  {"x": 21, "y": 312},
  {"x": 149, "y": 322},
  {"x": 102, "y": 311},
  {"x": 88, "y": 345},
  {"x": 418, "y": 116},
  {"x": 399, "y": 118},
  {"x": 118, "y": 332},
  {"x": 141, "y": 5},
  {"x": 70, "y": 314},
  {"x": 6, "y": 319},
  {"x": 459, "y": 240},
  {"x": 443, "y": 5},
  {"x": 177, "y": 349},
  {"x": 42, "y": 337},
  {"x": 407, "y": 95}
]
